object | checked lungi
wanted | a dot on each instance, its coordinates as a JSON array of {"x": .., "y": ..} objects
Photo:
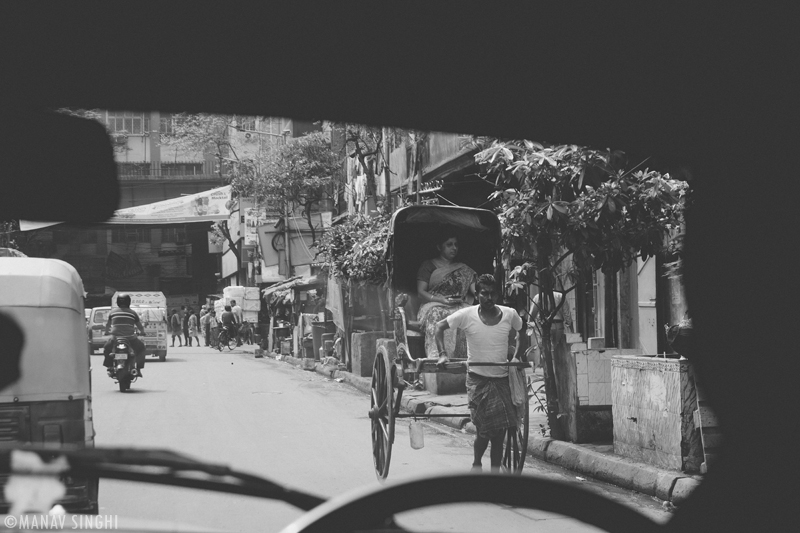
[{"x": 490, "y": 404}]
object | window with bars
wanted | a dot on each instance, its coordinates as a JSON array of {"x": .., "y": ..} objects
[
  {"x": 128, "y": 122},
  {"x": 168, "y": 122},
  {"x": 176, "y": 235},
  {"x": 247, "y": 123},
  {"x": 271, "y": 125},
  {"x": 125, "y": 235}
]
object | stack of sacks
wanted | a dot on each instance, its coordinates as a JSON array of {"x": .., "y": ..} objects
[
  {"x": 251, "y": 304},
  {"x": 233, "y": 293}
]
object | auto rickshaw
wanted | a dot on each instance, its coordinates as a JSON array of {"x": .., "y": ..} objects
[
  {"x": 400, "y": 361},
  {"x": 50, "y": 404}
]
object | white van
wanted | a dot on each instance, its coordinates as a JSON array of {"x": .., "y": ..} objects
[{"x": 152, "y": 309}]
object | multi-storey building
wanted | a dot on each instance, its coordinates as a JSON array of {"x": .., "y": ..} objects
[{"x": 173, "y": 258}]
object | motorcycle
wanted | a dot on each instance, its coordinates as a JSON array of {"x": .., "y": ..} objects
[{"x": 124, "y": 367}]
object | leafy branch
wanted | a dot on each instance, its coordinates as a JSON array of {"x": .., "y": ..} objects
[
  {"x": 566, "y": 211},
  {"x": 354, "y": 250}
]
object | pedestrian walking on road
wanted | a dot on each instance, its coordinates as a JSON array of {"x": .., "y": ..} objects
[
  {"x": 487, "y": 327},
  {"x": 205, "y": 322},
  {"x": 185, "y": 322},
  {"x": 200, "y": 327},
  {"x": 193, "y": 327},
  {"x": 213, "y": 324},
  {"x": 175, "y": 327}
]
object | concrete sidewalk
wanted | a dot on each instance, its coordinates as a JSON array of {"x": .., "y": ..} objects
[{"x": 594, "y": 460}]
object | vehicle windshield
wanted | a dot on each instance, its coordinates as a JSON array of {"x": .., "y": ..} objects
[{"x": 286, "y": 226}]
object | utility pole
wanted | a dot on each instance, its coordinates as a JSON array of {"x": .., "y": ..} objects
[
  {"x": 386, "y": 178},
  {"x": 287, "y": 234}
]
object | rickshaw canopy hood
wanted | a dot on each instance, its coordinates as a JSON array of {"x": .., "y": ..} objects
[
  {"x": 414, "y": 230},
  {"x": 45, "y": 298}
]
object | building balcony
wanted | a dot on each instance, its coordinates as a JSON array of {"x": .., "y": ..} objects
[{"x": 170, "y": 171}]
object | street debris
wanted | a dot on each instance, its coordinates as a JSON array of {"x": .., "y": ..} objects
[{"x": 580, "y": 478}]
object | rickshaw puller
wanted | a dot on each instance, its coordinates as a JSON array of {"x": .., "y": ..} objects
[
  {"x": 487, "y": 327},
  {"x": 123, "y": 322}
]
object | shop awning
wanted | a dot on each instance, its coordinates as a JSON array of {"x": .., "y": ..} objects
[
  {"x": 296, "y": 282},
  {"x": 206, "y": 206}
]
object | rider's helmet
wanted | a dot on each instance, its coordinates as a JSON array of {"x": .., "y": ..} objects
[{"x": 124, "y": 300}]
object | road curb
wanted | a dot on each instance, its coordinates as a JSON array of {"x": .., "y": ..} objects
[
  {"x": 673, "y": 487},
  {"x": 682, "y": 488}
]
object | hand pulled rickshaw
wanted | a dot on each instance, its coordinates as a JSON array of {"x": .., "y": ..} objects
[{"x": 401, "y": 360}]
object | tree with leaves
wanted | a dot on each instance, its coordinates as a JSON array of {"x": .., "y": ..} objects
[
  {"x": 205, "y": 133},
  {"x": 300, "y": 173},
  {"x": 354, "y": 251},
  {"x": 567, "y": 211}
]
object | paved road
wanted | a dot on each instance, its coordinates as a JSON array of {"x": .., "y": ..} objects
[{"x": 295, "y": 427}]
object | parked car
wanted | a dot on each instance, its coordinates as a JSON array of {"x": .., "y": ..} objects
[{"x": 96, "y": 328}]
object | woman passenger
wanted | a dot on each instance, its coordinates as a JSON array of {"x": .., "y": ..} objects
[{"x": 445, "y": 286}]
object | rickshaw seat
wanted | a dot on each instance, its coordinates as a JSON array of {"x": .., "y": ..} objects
[{"x": 411, "y": 330}]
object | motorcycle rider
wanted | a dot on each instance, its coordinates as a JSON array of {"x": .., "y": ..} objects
[{"x": 123, "y": 322}]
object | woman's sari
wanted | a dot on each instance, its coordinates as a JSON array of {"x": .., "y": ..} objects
[{"x": 453, "y": 280}]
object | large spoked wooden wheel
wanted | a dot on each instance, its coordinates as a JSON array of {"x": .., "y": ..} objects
[
  {"x": 515, "y": 443},
  {"x": 382, "y": 411}
]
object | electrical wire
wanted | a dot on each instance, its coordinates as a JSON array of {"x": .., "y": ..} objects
[{"x": 302, "y": 240}]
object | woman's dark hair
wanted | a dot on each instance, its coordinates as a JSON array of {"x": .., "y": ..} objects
[
  {"x": 227, "y": 307},
  {"x": 444, "y": 233},
  {"x": 487, "y": 280}
]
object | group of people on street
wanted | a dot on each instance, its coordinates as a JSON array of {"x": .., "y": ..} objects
[
  {"x": 185, "y": 322},
  {"x": 124, "y": 322}
]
